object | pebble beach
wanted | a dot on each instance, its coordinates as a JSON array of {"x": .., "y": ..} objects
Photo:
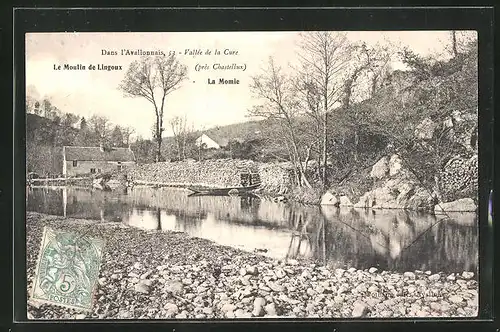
[{"x": 170, "y": 275}]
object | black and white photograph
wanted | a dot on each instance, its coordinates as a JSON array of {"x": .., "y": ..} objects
[{"x": 251, "y": 175}]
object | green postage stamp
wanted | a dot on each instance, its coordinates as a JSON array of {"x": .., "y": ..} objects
[{"x": 67, "y": 270}]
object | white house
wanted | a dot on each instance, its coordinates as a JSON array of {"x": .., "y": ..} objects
[{"x": 208, "y": 142}]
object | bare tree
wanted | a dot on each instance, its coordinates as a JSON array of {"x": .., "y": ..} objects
[
  {"x": 153, "y": 78},
  {"x": 127, "y": 132},
  {"x": 277, "y": 91},
  {"x": 454, "y": 43},
  {"x": 181, "y": 131},
  {"x": 324, "y": 57}
]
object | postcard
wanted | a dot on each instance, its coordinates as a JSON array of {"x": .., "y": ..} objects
[{"x": 252, "y": 175}]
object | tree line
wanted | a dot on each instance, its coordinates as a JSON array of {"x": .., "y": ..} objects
[
  {"x": 48, "y": 129},
  {"x": 343, "y": 106}
]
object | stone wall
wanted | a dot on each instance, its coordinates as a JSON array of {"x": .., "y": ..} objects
[{"x": 275, "y": 178}]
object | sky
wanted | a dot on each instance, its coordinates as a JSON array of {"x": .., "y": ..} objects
[{"x": 88, "y": 92}]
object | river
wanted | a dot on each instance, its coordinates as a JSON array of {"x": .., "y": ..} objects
[{"x": 393, "y": 240}]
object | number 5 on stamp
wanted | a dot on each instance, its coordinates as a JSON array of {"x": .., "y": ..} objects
[{"x": 67, "y": 270}]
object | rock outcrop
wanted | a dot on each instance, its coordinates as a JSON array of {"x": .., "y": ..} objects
[
  {"x": 329, "y": 198},
  {"x": 460, "y": 205},
  {"x": 380, "y": 169},
  {"x": 397, "y": 188}
]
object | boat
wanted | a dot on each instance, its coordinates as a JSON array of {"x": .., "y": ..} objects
[{"x": 222, "y": 191}]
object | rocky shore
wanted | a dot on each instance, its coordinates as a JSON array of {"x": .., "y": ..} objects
[{"x": 169, "y": 275}]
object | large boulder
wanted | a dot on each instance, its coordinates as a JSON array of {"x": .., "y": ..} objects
[
  {"x": 422, "y": 199},
  {"x": 395, "y": 165},
  {"x": 384, "y": 198},
  {"x": 460, "y": 205},
  {"x": 344, "y": 201},
  {"x": 398, "y": 193},
  {"x": 425, "y": 130},
  {"x": 380, "y": 169},
  {"x": 329, "y": 198},
  {"x": 406, "y": 190}
]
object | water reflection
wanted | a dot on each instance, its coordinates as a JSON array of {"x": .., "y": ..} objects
[{"x": 389, "y": 239}]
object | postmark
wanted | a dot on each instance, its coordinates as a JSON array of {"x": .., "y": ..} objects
[{"x": 67, "y": 269}]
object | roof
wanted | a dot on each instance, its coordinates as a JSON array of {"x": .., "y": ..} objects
[
  {"x": 237, "y": 132},
  {"x": 95, "y": 154}
]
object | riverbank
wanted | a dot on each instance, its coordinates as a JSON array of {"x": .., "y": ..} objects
[{"x": 161, "y": 275}]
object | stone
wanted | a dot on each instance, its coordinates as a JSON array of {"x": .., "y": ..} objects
[
  {"x": 270, "y": 309},
  {"x": 380, "y": 169},
  {"x": 243, "y": 271},
  {"x": 245, "y": 280},
  {"x": 280, "y": 273},
  {"x": 360, "y": 309},
  {"x": 339, "y": 273},
  {"x": 434, "y": 277},
  {"x": 421, "y": 199},
  {"x": 451, "y": 277},
  {"x": 275, "y": 287},
  {"x": 141, "y": 288},
  {"x": 174, "y": 287},
  {"x": 240, "y": 313},
  {"x": 228, "y": 307},
  {"x": 345, "y": 201},
  {"x": 445, "y": 307},
  {"x": 373, "y": 270},
  {"x": 338, "y": 299},
  {"x": 329, "y": 198},
  {"x": 145, "y": 275},
  {"x": 395, "y": 165},
  {"x": 182, "y": 315},
  {"x": 187, "y": 281},
  {"x": 137, "y": 265},
  {"x": 292, "y": 262},
  {"x": 456, "y": 299},
  {"x": 435, "y": 306},
  {"x": 351, "y": 270},
  {"x": 460, "y": 205},
  {"x": 252, "y": 270},
  {"x": 467, "y": 275},
  {"x": 409, "y": 275},
  {"x": 124, "y": 314},
  {"x": 171, "y": 309},
  {"x": 425, "y": 129},
  {"x": 258, "y": 306}
]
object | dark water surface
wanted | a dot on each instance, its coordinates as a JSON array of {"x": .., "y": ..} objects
[{"x": 388, "y": 239}]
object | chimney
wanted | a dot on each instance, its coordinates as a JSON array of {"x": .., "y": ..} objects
[{"x": 101, "y": 147}]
